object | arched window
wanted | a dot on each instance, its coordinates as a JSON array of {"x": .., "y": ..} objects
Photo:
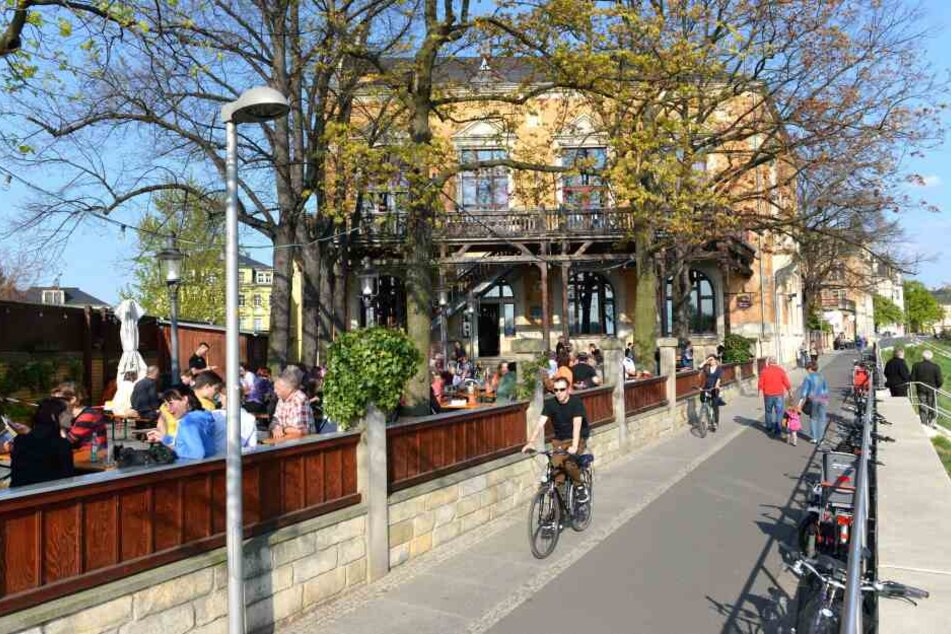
[
  {"x": 702, "y": 306},
  {"x": 502, "y": 294},
  {"x": 590, "y": 304},
  {"x": 387, "y": 307}
]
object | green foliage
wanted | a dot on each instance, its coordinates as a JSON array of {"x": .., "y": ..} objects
[
  {"x": 200, "y": 229},
  {"x": 367, "y": 366},
  {"x": 737, "y": 349},
  {"x": 528, "y": 377},
  {"x": 921, "y": 308},
  {"x": 33, "y": 376},
  {"x": 886, "y": 311},
  {"x": 815, "y": 322},
  {"x": 942, "y": 445}
]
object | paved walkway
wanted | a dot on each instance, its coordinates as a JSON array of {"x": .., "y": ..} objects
[{"x": 683, "y": 540}]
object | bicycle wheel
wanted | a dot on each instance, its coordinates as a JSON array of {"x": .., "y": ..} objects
[
  {"x": 581, "y": 517},
  {"x": 816, "y": 617},
  {"x": 544, "y": 517},
  {"x": 702, "y": 421}
]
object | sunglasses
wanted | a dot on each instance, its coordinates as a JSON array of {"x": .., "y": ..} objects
[{"x": 561, "y": 389}]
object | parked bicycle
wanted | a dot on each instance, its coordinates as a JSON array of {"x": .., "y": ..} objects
[
  {"x": 822, "y": 587},
  {"x": 552, "y": 502}
]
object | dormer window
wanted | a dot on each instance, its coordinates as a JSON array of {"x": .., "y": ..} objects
[{"x": 54, "y": 297}]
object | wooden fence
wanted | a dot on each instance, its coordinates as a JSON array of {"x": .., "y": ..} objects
[
  {"x": 760, "y": 364},
  {"x": 688, "y": 383},
  {"x": 598, "y": 404},
  {"x": 436, "y": 445},
  {"x": 729, "y": 374},
  {"x": 644, "y": 395},
  {"x": 747, "y": 369},
  {"x": 59, "y": 541}
]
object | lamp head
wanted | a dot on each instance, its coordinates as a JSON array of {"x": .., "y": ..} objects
[{"x": 256, "y": 106}]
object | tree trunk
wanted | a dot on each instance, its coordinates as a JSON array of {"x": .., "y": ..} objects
[
  {"x": 325, "y": 329},
  {"x": 680, "y": 296},
  {"x": 340, "y": 294},
  {"x": 419, "y": 312},
  {"x": 279, "y": 334},
  {"x": 310, "y": 303},
  {"x": 645, "y": 299}
]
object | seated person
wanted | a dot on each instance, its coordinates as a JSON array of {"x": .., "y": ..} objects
[
  {"x": 292, "y": 416},
  {"x": 43, "y": 454},
  {"x": 630, "y": 370},
  {"x": 206, "y": 388},
  {"x": 437, "y": 386},
  {"x": 86, "y": 422},
  {"x": 262, "y": 392},
  {"x": 507, "y": 384},
  {"x": 249, "y": 428},
  {"x": 195, "y": 434},
  {"x": 583, "y": 374},
  {"x": 145, "y": 398}
]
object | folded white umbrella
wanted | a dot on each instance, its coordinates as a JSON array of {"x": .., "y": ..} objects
[{"x": 129, "y": 312}]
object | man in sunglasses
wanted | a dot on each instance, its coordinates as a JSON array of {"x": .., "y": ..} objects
[{"x": 570, "y": 422}]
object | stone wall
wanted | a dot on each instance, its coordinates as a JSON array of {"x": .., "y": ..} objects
[{"x": 286, "y": 573}]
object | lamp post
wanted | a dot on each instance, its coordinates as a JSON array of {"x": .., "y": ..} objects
[
  {"x": 369, "y": 280},
  {"x": 171, "y": 260},
  {"x": 256, "y": 105},
  {"x": 471, "y": 310}
]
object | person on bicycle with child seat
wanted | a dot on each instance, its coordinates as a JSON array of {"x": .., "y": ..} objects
[{"x": 570, "y": 422}]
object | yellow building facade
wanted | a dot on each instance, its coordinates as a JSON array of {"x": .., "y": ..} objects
[{"x": 254, "y": 294}]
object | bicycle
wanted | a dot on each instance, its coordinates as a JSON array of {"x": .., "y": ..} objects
[
  {"x": 822, "y": 588},
  {"x": 707, "y": 418},
  {"x": 551, "y": 501}
]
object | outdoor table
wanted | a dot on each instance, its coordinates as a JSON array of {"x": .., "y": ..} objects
[{"x": 126, "y": 421}]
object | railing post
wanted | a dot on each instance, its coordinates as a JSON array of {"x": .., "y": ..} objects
[
  {"x": 533, "y": 412},
  {"x": 668, "y": 360},
  {"x": 373, "y": 486},
  {"x": 614, "y": 375}
]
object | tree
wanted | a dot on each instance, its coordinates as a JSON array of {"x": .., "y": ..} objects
[
  {"x": 886, "y": 311},
  {"x": 17, "y": 271},
  {"x": 199, "y": 228},
  {"x": 921, "y": 308}
]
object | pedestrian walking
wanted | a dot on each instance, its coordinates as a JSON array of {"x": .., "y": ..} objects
[
  {"x": 774, "y": 384},
  {"x": 792, "y": 423},
  {"x": 814, "y": 401},
  {"x": 926, "y": 374},
  {"x": 897, "y": 374}
]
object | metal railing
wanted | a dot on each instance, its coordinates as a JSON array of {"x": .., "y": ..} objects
[
  {"x": 852, "y": 608},
  {"x": 916, "y": 389}
]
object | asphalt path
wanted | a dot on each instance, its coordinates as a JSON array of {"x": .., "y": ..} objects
[{"x": 701, "y": 558}]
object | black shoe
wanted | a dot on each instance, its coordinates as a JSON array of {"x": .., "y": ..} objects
[
  {"x": 581, "y": 494},
  {"x": 713, "y": 428}
]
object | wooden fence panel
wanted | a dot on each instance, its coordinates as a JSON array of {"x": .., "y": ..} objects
[
  {"x": 729, "y": 374},
  {"x": 644, "y": 395},
  {"x": 59, "y": 541},
  {"x": 441, "y": 444},
  {"x": 599, "y": 404},
  {"x": 688, "y": 383},
  {"x": 747, "y": 369}
]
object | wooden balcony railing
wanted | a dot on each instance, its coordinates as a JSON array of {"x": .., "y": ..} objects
[
  {"x": 493, "y": 224},
  {"x": 644, "y": 395},
  {"x": 66, "y": 536},
  {"x": 437, "y": 445}
]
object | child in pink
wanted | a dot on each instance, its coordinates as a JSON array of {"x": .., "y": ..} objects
[{"x": 792, "y": 424}]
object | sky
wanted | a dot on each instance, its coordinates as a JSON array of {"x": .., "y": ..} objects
[{"x": 96, "y": 257}]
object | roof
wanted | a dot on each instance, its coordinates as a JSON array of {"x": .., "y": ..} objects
[
  {"x": 73, "y": 296},
  {"x": 246, "y": 262},
  {"x": 469, "y": 70}
]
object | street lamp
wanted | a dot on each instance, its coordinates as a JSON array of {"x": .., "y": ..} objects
[
  {"x": 256, "y": 105},
  {"x": 369, "y": 284},
  {"x": 171, "y": 259},
  {"x": 471, "y": 310}
]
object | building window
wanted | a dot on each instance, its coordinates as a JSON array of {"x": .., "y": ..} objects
[
  {"x": 54, "y": 298},
  {"x": 701, "y": 306},
  {"x": 387, "y": 307},
  {"x": 502, "y": 294},
  {"x": 256, "y": 300},
  {"x": 590, "y": 304},
  {"x": 584, "y": 190},
  {"x": 241, "y": 301},
  {"x": 258, "y": 324},
  {"x": 485, "y": 188},
  {"x": 264, "y": 277}
]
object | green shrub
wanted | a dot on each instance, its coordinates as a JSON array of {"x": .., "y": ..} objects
[
  {"x": 737, "y": 349},
  {"x": 33, "y": 376},
  {"x": 367, "y": 366},
  {"x": 528, "y": 377}
]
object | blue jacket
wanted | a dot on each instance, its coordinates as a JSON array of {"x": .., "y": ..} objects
[
  {"x": 195, "y": 438},
  {"x": 815, "y": 388}
]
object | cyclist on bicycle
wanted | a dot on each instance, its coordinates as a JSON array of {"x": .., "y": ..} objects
[
  {"x": 711, "y": 375},
  {"x": 570, "y": 422}
]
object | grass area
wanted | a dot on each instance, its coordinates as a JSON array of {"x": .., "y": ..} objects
[
  {"x": 913, "y": 354},
  {"x": 942, "y": 445}
]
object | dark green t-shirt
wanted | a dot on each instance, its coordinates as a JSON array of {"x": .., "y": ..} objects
[{"x": 562, "y": 416}]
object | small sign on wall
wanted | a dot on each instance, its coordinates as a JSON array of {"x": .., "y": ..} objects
[{"x": 744, "y": 301}]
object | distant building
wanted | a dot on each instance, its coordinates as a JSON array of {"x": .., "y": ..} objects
[
  {"x": 62, "y": 296},
  {"x": 889, "y": 284},
  {"x": 254, "y": 294}
]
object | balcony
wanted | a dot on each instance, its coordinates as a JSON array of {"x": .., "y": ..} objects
[
  {"x": 836, "y": 303},
  {"x": 494, "y": 225}
]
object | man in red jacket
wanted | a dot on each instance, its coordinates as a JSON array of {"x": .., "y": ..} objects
[{"x": 774, "y": 384}]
